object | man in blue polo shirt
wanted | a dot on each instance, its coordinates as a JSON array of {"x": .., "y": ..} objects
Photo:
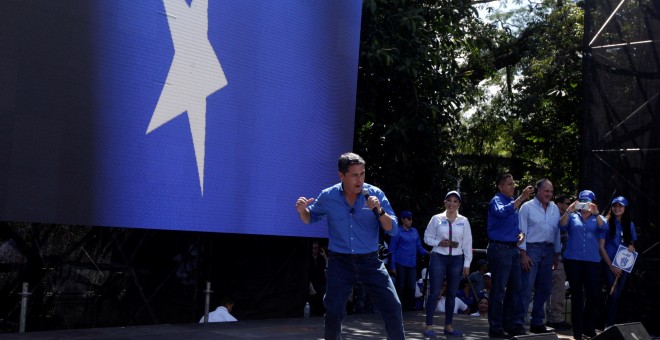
[
  {"x": 355, "y": 211},
  {"x": 504, "y": 235}
]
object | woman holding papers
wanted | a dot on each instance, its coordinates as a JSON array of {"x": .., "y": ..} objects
[{"x": 621, "y": 232}]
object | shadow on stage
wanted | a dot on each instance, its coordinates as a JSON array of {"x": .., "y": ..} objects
[{"x": 356, "y": 326}]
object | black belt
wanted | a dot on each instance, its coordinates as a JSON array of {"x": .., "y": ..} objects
[
  {"x": 510, "y": 244},
  {"x": 542, "y": 243},
  {"x": 332, "y": 253}
]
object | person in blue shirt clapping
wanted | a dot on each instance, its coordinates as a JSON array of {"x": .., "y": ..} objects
[{"x": 504, "y": 236}]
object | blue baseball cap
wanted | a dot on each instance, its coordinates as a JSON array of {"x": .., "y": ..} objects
[
  {"x": 620, "y": 200},
  {"x": 587, "y": 195},
  {"x": 455, "y": 193},
  {"x": 406, "y": 214}
]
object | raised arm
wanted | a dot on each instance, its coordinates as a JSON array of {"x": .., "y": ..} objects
[{"x": 303, "y": 211}]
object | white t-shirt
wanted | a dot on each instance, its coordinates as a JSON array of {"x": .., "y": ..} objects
[
  {"x": 458, "y": 305},
  {"x": 220, "y": 314}
]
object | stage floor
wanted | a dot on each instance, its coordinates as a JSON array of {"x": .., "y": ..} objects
[{"x": 357, "y": 326}]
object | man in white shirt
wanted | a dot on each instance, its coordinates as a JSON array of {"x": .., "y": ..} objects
[
  {"x": 539, "y": 252},
  {"x": 221, "y": 314}
]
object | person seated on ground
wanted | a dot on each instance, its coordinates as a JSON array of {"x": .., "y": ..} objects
[
  {"x": 466, "y": 293},
  {"x": 477, "y": 276},
  {"x": 221, "y": 314},
  {"x": 487, "y": 284},
  {"x": 482, "y": 308},
  {"x": 459, "y": 306}
]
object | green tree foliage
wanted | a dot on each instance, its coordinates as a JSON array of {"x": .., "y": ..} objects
[
  {"x": 410, "y": 93},
  {"x": 420, "y": 66},
  {"x": 547, "y": 101},
  {"x": 530, "y": 125}
]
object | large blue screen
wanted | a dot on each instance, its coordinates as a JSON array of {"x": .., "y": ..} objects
[{"x": 187, "y": 115}]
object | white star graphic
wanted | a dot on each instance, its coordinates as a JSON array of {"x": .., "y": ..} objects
[{"x": 195, "y": 74}]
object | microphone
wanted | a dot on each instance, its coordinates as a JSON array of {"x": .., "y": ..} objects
[{"x": 365, "y": 193}]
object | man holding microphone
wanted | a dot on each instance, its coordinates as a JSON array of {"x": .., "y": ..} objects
[{"x": 355, "y": 211}]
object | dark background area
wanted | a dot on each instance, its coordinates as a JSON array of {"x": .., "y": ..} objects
[
  {"x": 620, "y": 135},
  {"x": 82, "y": 276}
]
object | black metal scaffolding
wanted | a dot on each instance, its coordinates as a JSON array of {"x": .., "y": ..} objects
[{"x": 620, "y": 128}]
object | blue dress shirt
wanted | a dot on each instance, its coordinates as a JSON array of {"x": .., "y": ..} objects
[
  {"x": 612, "y": 244},
  {"x": 351, "y": 229},
  {"x": 502, "y": 219},
  {"x": 583, "y": 237},
  {"x": 539, "y": 225},
  {"x": 405, "y": 247}
]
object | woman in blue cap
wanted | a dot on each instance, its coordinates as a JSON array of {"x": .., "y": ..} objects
[
  {"x": 450, "y": 236},
  {"x": 585, "y": 227},
  {"x": 403, "y": 250},
  {"x": 621, "y": 232}
]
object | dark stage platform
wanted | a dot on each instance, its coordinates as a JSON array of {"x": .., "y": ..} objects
[{"x": 358, "y": 326}]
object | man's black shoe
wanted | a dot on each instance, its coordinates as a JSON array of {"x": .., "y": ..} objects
[
  {"x": 540, "y": 329},
  {"x": 517, "y": 330},
  {"x": 497, "y": 334},
  {"x": 559, "y": 325}
]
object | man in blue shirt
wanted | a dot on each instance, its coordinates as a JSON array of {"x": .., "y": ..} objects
[
  {"x": 404, "y": 248},
  {"x": 355, "y": 211},
  {"x": 504, "y": 235},
  {"x": 539, "y": 252}
]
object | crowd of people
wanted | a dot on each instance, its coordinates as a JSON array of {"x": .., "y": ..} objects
[{"x": 536, "y": 241}]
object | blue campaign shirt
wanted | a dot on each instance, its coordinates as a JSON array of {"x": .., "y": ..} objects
[
  {"x": 612, "y": 244},
  {"x": 351, "y": 230},
  {"x": 583, "y": 237},
  {"x": 539, "y": 225},
  {"x": 404, "y": 248},
  {"x": 502, "y": 219}
]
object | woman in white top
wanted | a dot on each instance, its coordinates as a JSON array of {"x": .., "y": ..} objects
[{"x": 450, "y": 235}]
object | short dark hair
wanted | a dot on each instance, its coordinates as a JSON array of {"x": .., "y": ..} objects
[
  {"x": 502, "y": 177},
  {"x": 348, "y": 159},
  {"x": 540, "y": 183},
  {"x": 561, "y": 198},
  {"x": 226, "y": 301}
]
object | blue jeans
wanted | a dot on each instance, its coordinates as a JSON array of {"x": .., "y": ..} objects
[
  {"x": 504, "y": 264},
  {"x": 539, "y": 280},
  {"x": 406, "y": 278},
  {"x": 612, "y": 300},
  {"x": 584, "y": 278},
  {"x": 343, "y": 272},
  {"x": 441, "y": 267}
]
